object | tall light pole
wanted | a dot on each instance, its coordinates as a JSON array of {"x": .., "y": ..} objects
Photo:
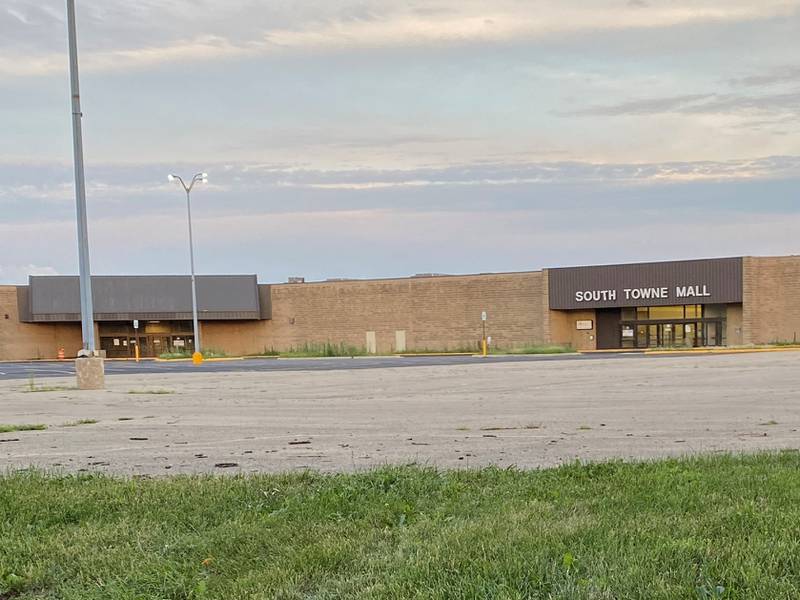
[
  {"x": 87, "y": 310},
  {"x": 199, "y": 177}
]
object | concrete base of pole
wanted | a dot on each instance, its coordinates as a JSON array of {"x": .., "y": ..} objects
[{"x": 90, "y": 372}]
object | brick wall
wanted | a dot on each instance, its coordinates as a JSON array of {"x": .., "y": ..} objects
[
  {"x": 436, "y": 313},
  {"x": 771, "y": 299},
  {"x": 23, "y": 341}
]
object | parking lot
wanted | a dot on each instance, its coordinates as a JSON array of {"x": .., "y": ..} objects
[{"x": 469, "y": 413}]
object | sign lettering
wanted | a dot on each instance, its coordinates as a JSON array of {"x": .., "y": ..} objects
[{"x": 647, "y": 293}]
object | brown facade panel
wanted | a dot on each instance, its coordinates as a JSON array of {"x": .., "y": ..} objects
[
  {"x": 265, "y": 300},
  {"x": 712, "y": 281},
  {"x": 124, "y": 298}
]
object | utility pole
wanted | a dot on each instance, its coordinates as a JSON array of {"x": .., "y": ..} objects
[{"x": 87, "y": 309}]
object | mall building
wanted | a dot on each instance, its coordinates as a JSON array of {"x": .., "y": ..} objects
[{"x": 693, "y": 303}]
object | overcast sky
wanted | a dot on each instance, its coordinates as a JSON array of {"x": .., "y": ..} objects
[{"x": 386, "y": 138}]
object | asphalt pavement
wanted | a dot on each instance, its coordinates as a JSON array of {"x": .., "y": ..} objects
[
  {"x": 526, "y": 412},
  {"x": 42, "y": 369}
]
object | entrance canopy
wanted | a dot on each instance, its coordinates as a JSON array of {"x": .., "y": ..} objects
[{"x": 159, "y": 297}]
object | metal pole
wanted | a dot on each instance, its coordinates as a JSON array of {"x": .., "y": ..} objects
[
  {"x": 87, "y": 309},
  {"x": 194, "y": 285}
]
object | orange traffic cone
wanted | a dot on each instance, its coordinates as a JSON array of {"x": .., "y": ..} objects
[{"x": 60, "y": 354}]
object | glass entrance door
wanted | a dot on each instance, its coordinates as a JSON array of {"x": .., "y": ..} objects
[
  {"x": 713, "y": 333},
  {"x": 673, "y": 335}
]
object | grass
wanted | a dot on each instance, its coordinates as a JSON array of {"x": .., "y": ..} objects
[
  {"x": 175, "y": 354},
  {"x": 335, "y": 350},
  {"x": 322, "y": 350},
  {"x": 27, "y": 427},
  {"x": 80, "y": 422},
  {"x": 33, "y": 387},
  {"x": 445, "y": 350},
  {"x": 713, "y": 527},
  {"x": 537, "y": 349}
]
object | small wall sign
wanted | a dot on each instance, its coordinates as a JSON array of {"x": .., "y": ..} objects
[{"x": 586, "y": 325}]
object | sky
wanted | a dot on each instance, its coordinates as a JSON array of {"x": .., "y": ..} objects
[{"x": 377, "y": 138}]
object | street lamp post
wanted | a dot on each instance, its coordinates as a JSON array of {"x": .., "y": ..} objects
[
  {"x": 200, "y": 177},
  {"x": 87, "y": 310}
]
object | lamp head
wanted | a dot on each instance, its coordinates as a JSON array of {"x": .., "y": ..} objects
[{"x": 170, "y": 177}]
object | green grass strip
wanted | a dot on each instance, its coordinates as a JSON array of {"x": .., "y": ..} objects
[{"x": 714, "y": 527}]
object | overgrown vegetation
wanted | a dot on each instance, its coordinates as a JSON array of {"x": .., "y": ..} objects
[
  {"x": 445, "y": 350},
  {"x": 537, "y": 349},
  {"x": 34, "y": 387},
  {"x": 179, "y": 353},
  {"x": 699, "y": 528},
  {"x": 318, "y": 350},
  {"x": 24, "y": 427},
  {"x": 327, "y": 349}
]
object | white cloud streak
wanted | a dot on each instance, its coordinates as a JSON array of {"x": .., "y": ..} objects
[{"x": 347, "y": 25}]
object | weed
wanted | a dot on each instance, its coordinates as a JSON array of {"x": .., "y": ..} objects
[
  {"x": 536, "y": 349},
  {"x": 26, "y": 427},
  {"x": 323, "y": 350},
  {"x": 80, "y": 422},
  {"x": 32, "y": 387}
]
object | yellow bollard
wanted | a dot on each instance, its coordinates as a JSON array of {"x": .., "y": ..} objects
[
  {"x": 136, "y": 351},
  {"x": 485, "y": 347},
  {"x": 197, "y": 358}
]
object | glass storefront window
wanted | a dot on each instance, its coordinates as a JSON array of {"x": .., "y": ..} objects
[
  {"x": 666, "y": 312},
  {"x": 642, "y": 313},
  {"x": 694, "y": 311}
]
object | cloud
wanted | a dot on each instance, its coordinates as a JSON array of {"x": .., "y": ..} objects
[
  {"x": 789, "y": 74},
  {"x": 116, "y": 34},
  {"x": 12, "y": 273},
  {"x": 645, "y": 106},
  {"x": 695, "y": 104},
  {"x": 113, "y": 189},
  {"x": 537, "y": 173}
]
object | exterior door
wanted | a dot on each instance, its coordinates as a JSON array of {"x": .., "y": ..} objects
[
  {"x": 608, "y": 329},
  {"x": 713, "y": 333}
]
